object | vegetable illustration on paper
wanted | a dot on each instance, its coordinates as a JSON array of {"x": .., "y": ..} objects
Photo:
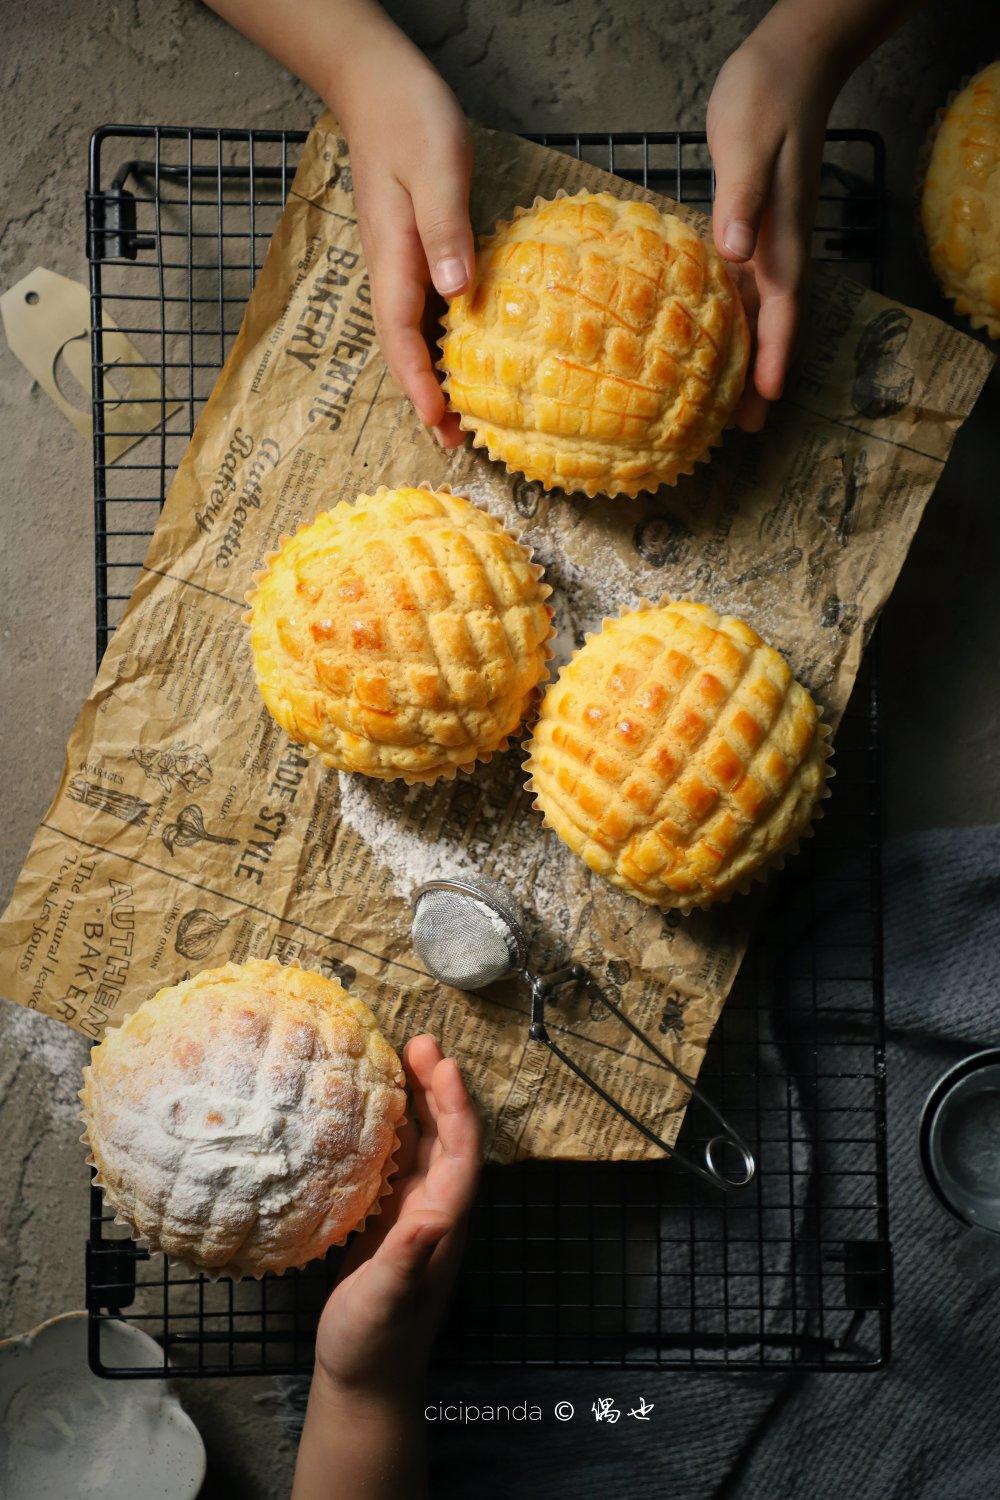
[
  {"x": 190, "y": 829},
  {"x": 197, "y": 932},
  {"x": 883, "y": 381},
  {"x": 672, "y": 1019},
  {"x": 105, "y": 799},
  {"x": 660, "y": 540},
  {"x": 175, "y": 765},
  {"x": 333, "y": 968}
]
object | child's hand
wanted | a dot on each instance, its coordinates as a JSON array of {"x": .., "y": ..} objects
[
  {"x": 766, "y": 122},
  {"x": 377, "y": 1327},
  {"x": 410, "y": 160},
  {"x": 380, "y": 1320},
  {"x": 363, "y": 1433}
]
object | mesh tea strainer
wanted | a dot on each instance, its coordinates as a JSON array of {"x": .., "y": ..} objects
[{"x": 469, "y": 933}]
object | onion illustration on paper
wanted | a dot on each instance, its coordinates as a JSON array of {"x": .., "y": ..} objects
[
  {"x": 105, "y": 799},
  {"x": 189, "y": 829},
  {"x": 672, "y": 1017},
  {"x": 198, "y": 932}
]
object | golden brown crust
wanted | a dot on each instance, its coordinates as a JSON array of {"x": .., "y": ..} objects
[
  {"x": 402, "y": 636},
  {"x": 603, "y": 349},
  {"x": 244, "y": 1120},
  {"x": 960, "y": 204},
  {"x": 677, "y": 755}
]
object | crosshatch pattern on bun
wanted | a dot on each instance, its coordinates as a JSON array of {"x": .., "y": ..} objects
[
  {"x": 960, "y": 203},
  {"x": 677, "y": 755},
  {"x": 603, "y": 348},
  {"x": 244, "y": 1120},
  {"x": 405, "y": 635}
]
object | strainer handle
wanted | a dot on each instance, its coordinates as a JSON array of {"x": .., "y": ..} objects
[{"x": 711, "y": 1172}]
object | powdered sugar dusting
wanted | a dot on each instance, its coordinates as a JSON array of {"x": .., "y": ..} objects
[
  {"x": 582, "y": 597},
  {"x": 681, "y": 550},
  {"x": 384, "y": 822},
  {"x": 482, "y": 824},
  {"x": 55, "y": 1053}
]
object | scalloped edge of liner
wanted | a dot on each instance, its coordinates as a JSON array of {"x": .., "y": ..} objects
[
  {"x": 769, "y": 866},
  {"x": 235, "y": 1273},
  {"x": 979, "y": 322},
  {"x": 591, "y": 491},
  {"x": 532, "y": 698}
]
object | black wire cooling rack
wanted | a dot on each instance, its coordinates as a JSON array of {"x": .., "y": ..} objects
[{"x": 600, "y": 1264}]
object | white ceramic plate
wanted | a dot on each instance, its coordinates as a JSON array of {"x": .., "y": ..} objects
[{"x": 66, "y": 1434}]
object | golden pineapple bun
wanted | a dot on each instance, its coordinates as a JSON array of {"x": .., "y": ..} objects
[{"x": 404, "y": 635}]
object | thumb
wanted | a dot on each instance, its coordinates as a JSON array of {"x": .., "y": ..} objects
[
  {"x": 403, "y": 1255},
  {"x": 441, "y": 209},
  {"x": 744, "y": 168}
]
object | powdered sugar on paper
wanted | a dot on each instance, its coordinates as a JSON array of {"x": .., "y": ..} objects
[{"x": 409, "y": 833}]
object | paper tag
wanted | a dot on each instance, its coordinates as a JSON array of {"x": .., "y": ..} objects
[{"x": 46, "y": 317}]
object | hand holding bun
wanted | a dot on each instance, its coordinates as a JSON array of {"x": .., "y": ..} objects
[{"x": 603, "y": 348}]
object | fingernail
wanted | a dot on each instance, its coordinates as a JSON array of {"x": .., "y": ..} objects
[
  {"x": 738, "y": 239},
  {"x": 450, "y": 275}
]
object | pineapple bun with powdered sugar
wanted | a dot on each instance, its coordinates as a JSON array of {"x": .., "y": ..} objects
[{"x": 244, "y": 1120}]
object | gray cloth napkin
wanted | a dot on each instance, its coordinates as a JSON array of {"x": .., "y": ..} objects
[{"x": 928, "y": 1424}]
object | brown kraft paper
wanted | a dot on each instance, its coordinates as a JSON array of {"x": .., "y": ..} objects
[{"x": 187, "y": 830}]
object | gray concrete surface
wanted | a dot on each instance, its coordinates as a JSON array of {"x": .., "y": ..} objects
[{"x": 639, "y": 64}]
